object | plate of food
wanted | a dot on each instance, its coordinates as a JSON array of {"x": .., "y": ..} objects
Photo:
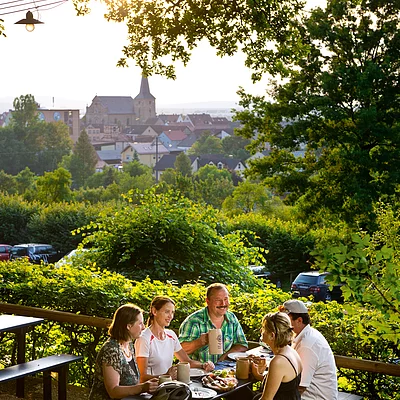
[
  {"x": 202, "y": 393},
  {"x": 219, "y": 384},
  {"x": 196, "y": 372},
  {"x": 225, "y": 373},
  {"x": 234, "y": 356}
]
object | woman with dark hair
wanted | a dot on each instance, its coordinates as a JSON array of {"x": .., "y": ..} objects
[
  {"x": 284, "y": 373},
  {"x": 157, "y": 345},
  {"x": 116, "y": 372}
]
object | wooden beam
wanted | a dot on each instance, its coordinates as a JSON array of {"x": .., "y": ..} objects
[
  {"x": 367, "y": 365},
  {"x": 60, "y": 316},
  {"x": 52, "y": 315}
]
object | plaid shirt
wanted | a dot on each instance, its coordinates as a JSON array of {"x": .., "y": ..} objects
[{"x": 199, "y": 322}]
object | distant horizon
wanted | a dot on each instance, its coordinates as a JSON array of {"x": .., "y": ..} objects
[{"x": 6, "y": 104}]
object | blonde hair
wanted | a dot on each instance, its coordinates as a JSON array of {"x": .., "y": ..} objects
[{"x": 279, "y": 323}]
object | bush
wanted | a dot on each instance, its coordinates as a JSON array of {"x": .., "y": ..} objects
[
  {"x": 54, "y": 224},
  {"x": 168, "y": 237},
  {"x": 15, "y": 214}
]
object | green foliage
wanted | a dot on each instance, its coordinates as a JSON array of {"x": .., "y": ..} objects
[
  {"x": 25, "y": 111},
  {"x": 369, "y": 268},
  {"x": 24, "y": 180},
  {"x": 234, "y": 146},
  {"x": 7, "y": 183},
  {"x": 206, "y": 144},
  {"x": 83, "y": 161},
  {"x": 162, "y": 33},
  {"x": 54, "y": 224},
  {"x": 166, "y": 236},
  {"x": 135, "y": 168},
  {"x": 247, "y": 197},
  {"x": 212, "y": 185},
  {"x": 54, "y": 186},
  {"x": 183, "y": 164},
  {"x": 288, "y": 244},
  {"x": 30, "y": 143},
  {"x": 15, "y": 214},
  {"x": 340, "y": 103}
]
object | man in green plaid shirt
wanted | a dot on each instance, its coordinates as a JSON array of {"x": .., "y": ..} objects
[{"x": 193, "y": 333}]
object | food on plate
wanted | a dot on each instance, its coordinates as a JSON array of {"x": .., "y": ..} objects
[
  {"x": 220, "y": 384},
  {"x": 224, "y": 373}
]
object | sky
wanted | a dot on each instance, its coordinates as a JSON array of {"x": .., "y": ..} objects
[{"x": 68, "y": 60}]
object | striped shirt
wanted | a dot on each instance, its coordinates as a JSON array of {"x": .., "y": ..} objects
[{"x": 199, "y": 322}]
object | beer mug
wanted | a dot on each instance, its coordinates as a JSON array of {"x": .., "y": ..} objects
[
  {"x": 215, "y": 341},
  {"x": 242, "y": 368},
  {"x": 184, "y": 372}
]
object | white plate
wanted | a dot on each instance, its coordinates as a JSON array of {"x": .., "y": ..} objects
[
  {"x": 234, "y": 356},
  {"x": 195, "y": 372},
  {"x": 202, "y": 393}
]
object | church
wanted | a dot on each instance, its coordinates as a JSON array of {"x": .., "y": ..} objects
[{"x": 117, "y": 113}]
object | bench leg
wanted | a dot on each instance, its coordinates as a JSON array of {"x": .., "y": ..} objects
[
  {"x": 62, "y": 382},
  {"x": 46, "y": 385}
]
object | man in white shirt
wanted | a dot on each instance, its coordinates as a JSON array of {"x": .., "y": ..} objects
[{"x": 318, "y": 379}]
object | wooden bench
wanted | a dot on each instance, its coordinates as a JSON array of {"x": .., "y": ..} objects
[{"x": 56, "y": 363}]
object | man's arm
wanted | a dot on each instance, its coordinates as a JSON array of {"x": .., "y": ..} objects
[{"x": 191, "y": 347}]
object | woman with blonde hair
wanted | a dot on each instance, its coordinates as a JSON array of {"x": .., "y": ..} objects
[
  {"x": 157, "y": 345},
  {"x": 116, "y": 372},
  {"x": 284, "y": 373}
]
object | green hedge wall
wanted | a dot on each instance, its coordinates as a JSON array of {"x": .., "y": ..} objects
[{"x": 96, "y": 293}]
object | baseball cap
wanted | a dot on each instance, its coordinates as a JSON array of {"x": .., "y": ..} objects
[{"x": 294, "y": 306}]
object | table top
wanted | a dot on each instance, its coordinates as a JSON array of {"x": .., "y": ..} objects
[
  {"x": 197, "y": 383},
  {"x": 13, "y": 322}
]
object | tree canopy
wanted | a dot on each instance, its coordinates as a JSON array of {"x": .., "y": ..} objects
[
  {"x": 161, "y": 32},
  {"x": 339, "y": 107},
  {"x": 82, "y": 163},
  {"x": 28, "y": 142}
]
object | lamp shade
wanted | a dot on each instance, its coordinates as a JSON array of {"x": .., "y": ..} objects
[{"x": 29, "y": 21}]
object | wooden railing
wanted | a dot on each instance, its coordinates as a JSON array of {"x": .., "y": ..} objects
[{"x": 59, "y": 316}]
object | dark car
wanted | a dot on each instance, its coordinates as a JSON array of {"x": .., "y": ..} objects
[
  {"x": 5, "y": 252},
  {"x": 261, "y": 272},
  {"x": 35, "y": 252},
  {"x": 314, "y": 283}
]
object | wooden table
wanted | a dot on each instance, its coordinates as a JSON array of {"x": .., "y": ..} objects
[
  {"x": 243, "y": 384},
  {"x": 19, "y": 325}
]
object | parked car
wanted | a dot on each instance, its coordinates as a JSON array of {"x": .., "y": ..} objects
[
  {"x": 260, "y": 271},
  {"x": 35, "y": 252},
  {"x": 314, "y": 283},
  {"x": 5, "y": 252}
]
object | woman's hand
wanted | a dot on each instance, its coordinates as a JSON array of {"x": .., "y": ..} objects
[
  {"x": 258, "y": 367},
  {"x": 151, "y": 385},
  {"x": 173, "y": 371},
  {"x": 208, "y": 366}
]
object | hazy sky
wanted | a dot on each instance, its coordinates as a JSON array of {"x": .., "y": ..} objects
[{"x": 71, "y": 59}]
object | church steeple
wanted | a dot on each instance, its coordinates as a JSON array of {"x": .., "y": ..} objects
[
  {"x": 144, "y": 103},
  {"x": 144, "y": 90}
]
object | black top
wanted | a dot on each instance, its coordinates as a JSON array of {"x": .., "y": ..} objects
[{"x": 289, "y": 390}]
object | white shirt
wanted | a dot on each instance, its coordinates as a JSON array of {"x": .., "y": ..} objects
[
  {"x": 319, "y": 367},
  {"x": 160, "y": 353}
]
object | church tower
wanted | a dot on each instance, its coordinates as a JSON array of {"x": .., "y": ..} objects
[{"x": 144, "y": 103}]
